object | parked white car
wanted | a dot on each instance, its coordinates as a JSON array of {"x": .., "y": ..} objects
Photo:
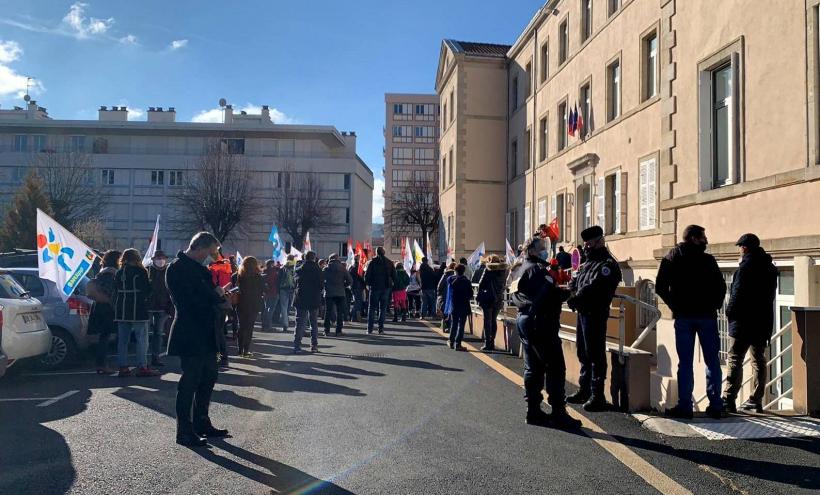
[{"x": 23, "y": 329}]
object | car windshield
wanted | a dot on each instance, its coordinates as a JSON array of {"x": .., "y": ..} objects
[{"x": 9, "y": 288}]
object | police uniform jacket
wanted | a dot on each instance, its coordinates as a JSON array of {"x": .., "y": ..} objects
[
  {"x": 596, "y": 282},
  {"x": 535, "y": 292}
]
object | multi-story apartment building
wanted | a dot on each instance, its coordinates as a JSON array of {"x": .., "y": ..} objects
[
  {"x": 694, "y": 112},
  {"x": 141, "y": 162},
  {"x": 411, "y": 136}
]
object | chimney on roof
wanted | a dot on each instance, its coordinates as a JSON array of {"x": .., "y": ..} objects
[
  {"x": 116, "y": 114},
  {"x": 265, "y": 113},
  {"x": 349, "y": 137},
  {"x": 228, "y": 114},
  {"x": 156, "y": 114}
]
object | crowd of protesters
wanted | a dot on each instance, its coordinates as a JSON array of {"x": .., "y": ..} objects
[{"x": 206, "y": 296}]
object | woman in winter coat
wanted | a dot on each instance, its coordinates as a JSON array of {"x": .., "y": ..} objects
[
  {"x": 490, "y": 297},
  {"x": 131, "y": 311},
  {"x": 251, "y": 291},
  {"x": 101, "y": 320},
  {"x": 400, "y": 284}
]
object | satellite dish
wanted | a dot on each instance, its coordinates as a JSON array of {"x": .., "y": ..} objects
[
  {"x": 27, "y": 98},
  {"x": 222, "y": 102}
]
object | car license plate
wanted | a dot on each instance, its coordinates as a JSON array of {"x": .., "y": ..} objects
[{"x": 28, "y": 318}]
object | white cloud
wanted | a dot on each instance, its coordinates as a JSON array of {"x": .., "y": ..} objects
[
  {"x": 81, "y": 26},
  {"x": 135, "y": 113},
  {"x": 214, "y": 115},
  {"x": 178, "y": 44},
  {"x": 378, "y": 201},
  {"x": 129, "y": 40},
  {"x": 12, "y": 83}
]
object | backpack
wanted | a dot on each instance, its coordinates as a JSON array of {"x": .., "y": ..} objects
[{"x": 286, "y": 279}]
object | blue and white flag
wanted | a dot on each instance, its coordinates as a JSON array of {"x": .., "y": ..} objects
[
  {"x": 278, "y": 253},
  {"x": 239, "y": 259},
  {"x": 61, "y": 257},
  {"x": 474, "y": 261}
]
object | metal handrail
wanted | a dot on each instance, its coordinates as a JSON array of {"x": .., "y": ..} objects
[
  {"x": 777, "y": 399},
  {"x": 656, "y": 316}
]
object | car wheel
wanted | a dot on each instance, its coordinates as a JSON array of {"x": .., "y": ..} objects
[{"x": 62, "y": 351}]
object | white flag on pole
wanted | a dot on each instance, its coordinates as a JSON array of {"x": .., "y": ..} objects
[
  {"x": 474, "y": 261},
  {"x": 296, "y": 253},
  {"x": 152, "y": 245},
  {"x": 407, "y": 260},
  {"x": 307, "y": 246},
  {"x": 417, "y": 254},
  {"x": 61, "y": 257},
  {"x": 239, "y": 259},
  {"x": 429, "y": 251},
  {"x": 510, "y": 255}
]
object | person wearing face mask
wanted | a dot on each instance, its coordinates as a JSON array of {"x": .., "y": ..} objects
[
  {"x": 194, "y": 338},
  {"x": 159, "y": 305},
  {"x": 539, "y": 301},
  {"x": 690, "y": 282},
  {"x": 592, "y": 292}
]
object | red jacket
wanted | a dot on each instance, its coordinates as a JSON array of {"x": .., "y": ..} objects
[
  {"x": 272, "y": 282},
  {"x": 221, "y": 272}
]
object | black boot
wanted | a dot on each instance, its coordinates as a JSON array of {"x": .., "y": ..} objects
[
  {"x": 596, "y": 403},
  {"x": 561, "y": 420},
  {"x": 579, "y": 397},
  {"x": 537, "y": 417}
]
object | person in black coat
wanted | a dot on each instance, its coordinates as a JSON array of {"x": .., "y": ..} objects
[
  {"x": 194, "y": 337},
  {"x": 690, "y": 282},
  {"x": 357, "y": 287},
  {"x": 751, "y": 321},
  {"x": 539, "y": 301},
  {"x": 461, "y": 293},
  {"x": 428, "y": 279},
  {"x": 131, "y": 311},
  {"x": 307, "y": 300},
  {"x": 491, "y": 288},
  {"x": 101, "y": 320},
  {"x": 379, "y": 276}
]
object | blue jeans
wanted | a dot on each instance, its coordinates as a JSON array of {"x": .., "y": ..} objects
[
  {"x": 707, "y": 332},
  {"x": 303, "y": 317},
  {"x": 285, "y": 302},
  {"x": 379, "y": 300},
  {"x": 458, "y": 320},
  {"x": 271, "y": 303},
  {"x": 428, "y": 303},
  {"x": 124, "y": 329},
  {"x": 158, "y": 320}
]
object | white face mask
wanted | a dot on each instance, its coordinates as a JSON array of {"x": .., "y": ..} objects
[
  {"x": 160, "y": 263},
  {"x": 208, "y": 260}
]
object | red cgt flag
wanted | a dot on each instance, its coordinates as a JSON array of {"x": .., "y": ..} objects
[{"x": 553, "y": 230}]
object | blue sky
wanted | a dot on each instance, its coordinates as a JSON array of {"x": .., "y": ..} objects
[{"x": 314, "y": 62}]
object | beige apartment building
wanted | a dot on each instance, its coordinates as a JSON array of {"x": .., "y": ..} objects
[
  {"x": 411, "y": 134},
  {"x": 693, "y": 111}
]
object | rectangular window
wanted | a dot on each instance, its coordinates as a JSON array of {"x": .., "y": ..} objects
[
  {"x": 586, "y": 104},
  {"x": 444, "y": 171},
  {"x": 650, "y": 62},
  {"x": 562, "y": 126},
  {"x": 396, "y": 242},
  {"x": 444, "y": 122},
  {"x": 545, "y": 61},
  {"x": 452, "y": 178},
  {"x": 542, "y": 139},
  {"x": 613, "y": 97},
  {"x": 612, "y": 7},
  {"x": 559, "y": 214},
  {"x": 402, "y": 156},
  {"x": 157, "y": 177},
  {"x": 427, "y": 111},
  {"x": 21, "y": 142},
  {"x": 107, "y": 176},
  {"x": 402, "y": 134},
  {"x": 347, "y": 182},
  {"x": 175, "y": 178},
  {"x": 720, "y": 119},
  {"x": 527, "y": 150},
  {"x": 514, "y": 103},
  {"x": 234, "y": 146},
  {"x": 514, "y": 158},
  {"x": 452, "y": 105},
  {"x": 542, "y": 211},
  {"x": 610, "y": 198},
  {"x": 77, "y": 143},
  {"x": 563, "y": 45},
  {"x": 424, "y": 156},
  {"x": 39, "y": 143},
  {"x": 586, "y": 19},
  {"x": 347, "y": 215},
  {"x": 527, "y": 221},
  {"x": 402, "y": 111},
  {"x": 528, "y": 71},
  {"x": 426, "y": 134},
  {"x": 647, "y": 192},
  {"x": 100, "y": 146},
  {"x": 721, "y": 125}
]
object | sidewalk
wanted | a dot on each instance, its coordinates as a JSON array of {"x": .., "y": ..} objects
[{"x": 736, "y": 427}]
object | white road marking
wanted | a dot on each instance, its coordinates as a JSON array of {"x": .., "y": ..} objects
[
  {"x": 140, "y": 387},
  {"x": 57, "y": 399},
  {"x": 58, "y": 373},
  {"x": 22, "y": 399}
]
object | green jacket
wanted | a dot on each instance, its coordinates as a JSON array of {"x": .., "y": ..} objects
[{"x": 402, "y": 280}]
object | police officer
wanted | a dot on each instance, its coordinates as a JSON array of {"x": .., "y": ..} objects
[
  {"x": 592, "y": 292},
  {"x": 539, "y": 301}
]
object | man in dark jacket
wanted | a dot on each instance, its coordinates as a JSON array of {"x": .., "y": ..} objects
[
  {"x": 539, "y": 302},
  {"x": 357, "y": 288},
  {"x": 159, "y": 304},
  {"x": 592, "y": 292},
  {"x": 690, "y": 282},
  {"x": 194, "y": 337},
  {"x": 379, "y": 277},
  {"x": 307, "y": 300},
  {"x": 461, "y": 293},
  {"x": 429, "y": 281},
  {"x": 751, "y": 320},
  {"x": 271, "y": 276},
  {"x": 491, "y": 289},
  {"x": 336, "y": 279},
  {"x": 564, "y": 259},
  {"x": 287, "y": 285}
]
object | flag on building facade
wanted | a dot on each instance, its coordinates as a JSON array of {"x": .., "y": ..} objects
[
  {"x": 407, "y": 255},
  {"x": 579, "y": 124},
  {"x": 307, "y": 247},
  {"x": 474, "y": 261},
  {"x": 61, "y": 256},
  {"x": 510, "y": 254},
  {"x": 570, "y": 122},
  {"x": 152, "y": 245}
]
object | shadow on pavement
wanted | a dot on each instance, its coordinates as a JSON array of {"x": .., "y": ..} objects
[
  {"x": 411, "y": 363},
  {"x": 787, "y": 473}
]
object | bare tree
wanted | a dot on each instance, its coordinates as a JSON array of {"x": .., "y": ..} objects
[
  {"x": 217, "y": 194},
  {"x": 416, "y": 205},
  {"x": 300, "y": 207},
  {"x": 92, "y": 231},
  {"x": 69, "y": 182}
]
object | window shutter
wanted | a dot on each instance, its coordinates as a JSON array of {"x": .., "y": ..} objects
[
  {"x": 600, "y": 203},
  {"x": 618, "y": 204},
  {"x": 734, "y": 121},
  {"x": 652, "y": 194},
  {"x": 542, "y": 211},
  {"x": 643, "y": 194},
  {"x": 705, "y": 129},
  {"x": 527, "y": 223},
  {"x": 554, "y": 208}
]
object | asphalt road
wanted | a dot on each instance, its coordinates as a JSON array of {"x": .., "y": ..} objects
[{"x": 399, "y": 413}]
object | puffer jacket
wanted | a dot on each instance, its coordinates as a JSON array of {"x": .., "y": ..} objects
[
  {"x": 131, "y": 297},
  {"x": 751, "y": 297},
  {"x": 690, "y": 282},
  {"x": 494, "y": 276}
]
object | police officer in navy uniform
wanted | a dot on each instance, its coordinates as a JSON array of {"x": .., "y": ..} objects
[
  {"x": 592, "y": 292},
  {"x": 539, "y": 302}
]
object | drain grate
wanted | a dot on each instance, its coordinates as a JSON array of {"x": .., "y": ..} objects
[{"x": 368, "y": 355}]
